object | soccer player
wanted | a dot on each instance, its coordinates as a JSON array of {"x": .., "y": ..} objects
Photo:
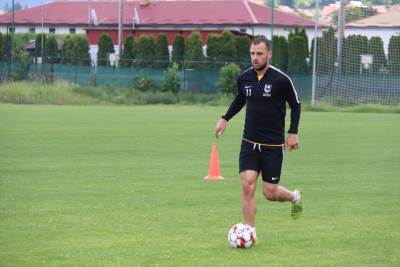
[{"x": 265, "y": 90}]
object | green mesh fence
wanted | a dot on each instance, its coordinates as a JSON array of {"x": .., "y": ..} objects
[
  {"x": 347, "y": 90},
  {"x": 191, "y": 80},
  {"x": 4, "y": 71}
]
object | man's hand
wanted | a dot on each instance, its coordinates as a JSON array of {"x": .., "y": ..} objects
[
  {"x": 292, "y": 142},
  {"x": 220, "y": 128}
]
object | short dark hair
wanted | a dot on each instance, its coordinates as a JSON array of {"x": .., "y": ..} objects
[{"x": 258, "y": 39}]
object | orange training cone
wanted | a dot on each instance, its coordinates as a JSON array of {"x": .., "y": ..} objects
[{"x": 213, "y": 170}]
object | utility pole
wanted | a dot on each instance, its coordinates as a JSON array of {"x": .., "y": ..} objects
[
  {"x": 314, "y": 69},
  {"x": 341, "y": 22},
  {"x": 272, "y": 24},
  {"x": 120, "y": 29},
  {"x": 12, "y": 33},
  {"x": 42, "y": 43}
]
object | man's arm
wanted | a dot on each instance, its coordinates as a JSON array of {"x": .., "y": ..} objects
[
  {"x": 292, "y": 141},
  {"x": 236, "y": 105}
]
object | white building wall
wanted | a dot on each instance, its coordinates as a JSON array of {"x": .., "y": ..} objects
[{"x": 46, "y": 29}]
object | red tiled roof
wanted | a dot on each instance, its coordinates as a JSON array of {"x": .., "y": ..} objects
[{"x": 175, "y": 12}]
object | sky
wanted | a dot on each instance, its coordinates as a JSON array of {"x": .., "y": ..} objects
[{"x": 24, "y": 3}]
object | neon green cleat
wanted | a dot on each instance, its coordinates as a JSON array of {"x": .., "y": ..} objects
[{"x": 297, "y": 209}]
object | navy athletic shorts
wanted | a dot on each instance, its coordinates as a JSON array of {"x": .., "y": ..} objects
[{"x": 266, "y": 160}]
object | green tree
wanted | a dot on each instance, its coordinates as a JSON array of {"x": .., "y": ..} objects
[
  {"x": 280, "y": 52},
  {"x": 23, "y": 61},
  {"x": 1, "y": 47},
  {"x": 375, "y": 48},
  {"x": 194, "y": 57},
  {"x": 296, "y": 55},
  {"x": 243, "y": 51},
  {"x": 213, "y": 47},
  {"x": 228, "y": 48},
  {"x": 162, "y": 52},
  {"x": 67, "y": 50},
  {"x": 7, "y": 48},
  {"x": 51, "y": 49},
  {"x": 81, "y": 50},
  {"x": 145, "y": 51},
  {"x": 128, "y": 53},
  {"x": 355, "y": 13},
  {"x": 271, "y": 3},
  {"x": 302, "y": 33},
  {"x": 75, "y": 50},
  {"x": 326, "y": 52},
  {"x": 39, "y": 44},
  {"x": 227, "y": 82},
  {"x": 106, "y": 47},
  {"x": 178, "y": 49},
  {"x": 353, "y": 47},
  {"x": 394, "y": 54}
]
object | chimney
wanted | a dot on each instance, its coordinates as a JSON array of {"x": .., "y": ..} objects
[{"x": 144, "y": 2}]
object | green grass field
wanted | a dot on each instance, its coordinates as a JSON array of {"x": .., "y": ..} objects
[{"x": 123, "y": 186}]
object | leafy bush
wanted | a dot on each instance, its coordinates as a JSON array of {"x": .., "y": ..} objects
[
  {"x": 171, "y": 82},
  {"x": 23, "y": 61},
  {"x": 144, "y": 84},
  {"x": 227, "y": 82}
]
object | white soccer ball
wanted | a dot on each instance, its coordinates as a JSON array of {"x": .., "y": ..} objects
[{"x": 241, "y": 236}]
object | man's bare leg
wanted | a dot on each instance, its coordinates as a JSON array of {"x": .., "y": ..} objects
[{"x": 249, "y": 182}]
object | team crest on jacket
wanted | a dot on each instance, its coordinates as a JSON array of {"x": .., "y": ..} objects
[{"x": 267, "y": 90}]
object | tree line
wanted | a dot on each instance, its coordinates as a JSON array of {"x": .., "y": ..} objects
[
  {"x": 353, "y": 47},
  {"x": 290, "y": 54},
  {"x": 150, "y": 51}
]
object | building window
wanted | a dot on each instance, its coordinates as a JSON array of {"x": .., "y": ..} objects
[
  {"x": 11, "y": 29},
  {"x": 52, "y": 30},
  {"x": 32, "y": 29},
  {"x": 72, "y": 30},
  {"x": 244, "y": 30}
]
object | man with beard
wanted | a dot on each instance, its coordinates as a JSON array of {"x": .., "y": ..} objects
[{"x": 265, "y": 90}]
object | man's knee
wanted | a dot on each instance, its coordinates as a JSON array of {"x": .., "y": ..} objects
[
  {"x": 269, "y": 192},
  {"x": 249, "y": 184}
]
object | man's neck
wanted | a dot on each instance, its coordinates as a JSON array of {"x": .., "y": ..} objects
[{"x": 262, "y": 72}]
